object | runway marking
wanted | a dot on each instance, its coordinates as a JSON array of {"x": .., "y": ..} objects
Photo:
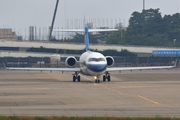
[
  {"x": 121, "y": 93},
  {"x": 148, "y": 99},
  {"x": 30, "y": 88},
  {"x": 130, "y": 87}
]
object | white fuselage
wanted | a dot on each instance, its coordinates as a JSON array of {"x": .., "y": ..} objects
[{"x": 92, "y": 63}]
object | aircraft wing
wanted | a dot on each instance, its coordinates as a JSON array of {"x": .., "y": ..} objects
[
  {"x": 43, "y": 69},
  {"x": 137, "y": 68},
  {"x": 140, "y": 68}
]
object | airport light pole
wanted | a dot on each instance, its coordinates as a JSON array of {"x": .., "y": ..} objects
[{"x": 143, "y": 4}]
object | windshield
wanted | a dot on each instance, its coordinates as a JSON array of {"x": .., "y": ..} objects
[{"x": 96, "y": 59}]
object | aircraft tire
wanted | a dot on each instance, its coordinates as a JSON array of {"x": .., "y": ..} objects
[
  {"x": 109, "y": 78},
  {"x": 74, "y": 78},
  {"x": 104, "y": 78},
  {"x": 79, "y": 78},
  {"x": 98, "y": 81}
]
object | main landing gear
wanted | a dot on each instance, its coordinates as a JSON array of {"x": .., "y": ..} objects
[
  {"x": 76, "y": 77},
  {"x": 106, "y": 77}
]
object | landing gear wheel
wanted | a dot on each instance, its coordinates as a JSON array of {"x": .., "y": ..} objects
[
  {"x": 79, "y": 78},
  {"x": 109, "y": 78},
  {"x": 74, "y": 78},
  {"x": 98, "y": 81},
  {"x": 104, "y": 78}
]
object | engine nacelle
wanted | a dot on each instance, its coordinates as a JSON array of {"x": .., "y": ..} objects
[
  {"x": 110, "y": 61},
  {"x": 70, "y": 62}
]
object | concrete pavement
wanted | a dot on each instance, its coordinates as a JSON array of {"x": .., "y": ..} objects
[{"x": 137, "y": 94}]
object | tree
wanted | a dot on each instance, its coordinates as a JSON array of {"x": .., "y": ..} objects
[
  {"x": 173, "y": 23},
  {"x": 145, "y": 28},
  {"x": 115, "y": 38}
]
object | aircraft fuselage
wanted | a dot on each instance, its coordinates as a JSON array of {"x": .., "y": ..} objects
[{"x": 93, "y": 63}]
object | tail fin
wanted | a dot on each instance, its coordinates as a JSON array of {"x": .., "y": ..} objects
[
  {"x": 87, "y": 38},
  {"x": 86, "y": 30}
]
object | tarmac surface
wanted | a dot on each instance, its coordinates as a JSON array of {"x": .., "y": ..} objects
[{"x": 130, "y": 94}]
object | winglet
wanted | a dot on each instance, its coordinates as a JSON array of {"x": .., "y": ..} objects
[{"x": 4, "y": 65}]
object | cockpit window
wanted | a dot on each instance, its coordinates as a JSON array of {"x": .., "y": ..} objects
[{"x": 96, "y": 59}]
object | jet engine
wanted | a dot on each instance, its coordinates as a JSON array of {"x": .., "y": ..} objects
[
  {"x": 110, "y": 61},
  {"x": 70, "y": 62}
]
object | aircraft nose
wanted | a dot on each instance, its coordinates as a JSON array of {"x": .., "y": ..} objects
[{"x": 97, "y": 67}]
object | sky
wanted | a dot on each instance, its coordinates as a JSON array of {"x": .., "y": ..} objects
[{"x": 20, "y": 14}]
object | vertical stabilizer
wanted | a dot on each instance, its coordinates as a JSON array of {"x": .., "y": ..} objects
[{"x": 87, "y": 38}]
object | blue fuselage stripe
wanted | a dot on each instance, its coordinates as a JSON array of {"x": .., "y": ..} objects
[{"x": 97, "y": 67}]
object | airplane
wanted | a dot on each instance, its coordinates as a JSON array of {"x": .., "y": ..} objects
[{"x": 91, "y": 63}]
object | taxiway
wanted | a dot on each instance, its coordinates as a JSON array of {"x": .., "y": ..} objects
[{"x": 129, "y": 94}]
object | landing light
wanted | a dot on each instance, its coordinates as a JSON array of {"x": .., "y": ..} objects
[{"x": 95, "y": 77}]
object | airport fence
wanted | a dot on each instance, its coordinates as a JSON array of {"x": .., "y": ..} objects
[{"x": 119, "y": 61}]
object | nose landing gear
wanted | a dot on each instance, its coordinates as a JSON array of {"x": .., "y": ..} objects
[{"x": 97, "y": 79}]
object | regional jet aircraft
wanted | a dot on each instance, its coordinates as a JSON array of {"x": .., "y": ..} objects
[{"x": 91, "y": 63}]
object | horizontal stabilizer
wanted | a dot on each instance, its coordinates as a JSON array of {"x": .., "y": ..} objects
[
  {"x": 82, "y": 30},
  {"x": 70, "y": 30},
  {"x": 102, "y": 30}
]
